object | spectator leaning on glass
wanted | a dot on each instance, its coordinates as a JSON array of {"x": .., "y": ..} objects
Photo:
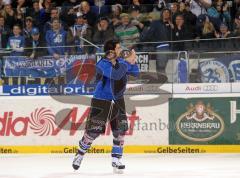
[
  {"x": 127, "y": 33},
  {"x": 56, "y": 39},
  {"x": 16, "y": 42},
  {"x": 35, "y": 45}
]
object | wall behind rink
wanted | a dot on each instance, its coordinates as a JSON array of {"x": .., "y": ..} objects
[{"x": 189, "y": 123}]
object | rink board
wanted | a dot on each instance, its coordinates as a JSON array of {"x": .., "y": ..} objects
[
  {"x": 180, "y": 149},
  {"x": 44, "y": 124}
]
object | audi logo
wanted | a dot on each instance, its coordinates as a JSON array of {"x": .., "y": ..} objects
[{"x": 210, "y": 88}]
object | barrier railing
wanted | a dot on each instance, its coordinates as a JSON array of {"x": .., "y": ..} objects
[{"x": 177, "y": 66}]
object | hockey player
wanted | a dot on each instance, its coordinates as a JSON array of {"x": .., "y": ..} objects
[{"x": 108, "y": 103}]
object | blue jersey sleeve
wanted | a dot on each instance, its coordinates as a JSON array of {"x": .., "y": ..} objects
[
  {"x": 133, "y": 69},
  {"x": 109, "y": 71},
  {"x": 48, "y": 40}
]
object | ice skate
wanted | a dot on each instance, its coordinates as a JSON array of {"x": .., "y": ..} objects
[
  {"x": 118, "y": 167},
  {"x": 77, "y": 161}
]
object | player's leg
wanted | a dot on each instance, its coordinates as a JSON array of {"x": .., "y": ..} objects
[
  {"x": 119, "y": 126},
  {"x": 96, "y": 124},
  {"x": 84, "y": 144}
]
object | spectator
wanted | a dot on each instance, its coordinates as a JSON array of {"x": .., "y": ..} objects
[
  {"x": 21, "y": 4},
  {"x": 16, "y": 42},
  {"x": 136, "y": 3},
  {"x": 142, "y": 8},
  {"x": 19, "y": 18},
  {"x": 159, "y": 5},
  {"x": 236, "y": 24},
  {"x": 224, "y": 44},
  {"x": 234, "y": 7},
  {"x": 103, "y": 31},
  {"x": 137, "y": 18},
  {"x": 115, "y": 15},
  {"x": 34, "y": 43},
  {"x": 82, "y": 29},
  {"x": 28, "y": 28},
  {"x": 219, "y": 12},
  {"x": 68, "y": 13},
  {"x": 199, "y": 7},
  {"x": 236, "y": 31},
  {"x": 54, "y": 13},
  {"x": 174, "y": 10},
  {"x": 9, "y": 15},
  {"x": 56, "y": 39},
  {"x": 4, "y": 33},
  {"x": 180, "y": 32},
  {"x": 47, "y": 5},
  {"x": 37, "y": 14},
  {"x": 100, "y": 9},
  {"x": 85, "y": 10},
  {"x": 1, "y": 4},
  {"x": 160, "y": 31},
  {"x": 208, "y": 30},
  {"x": 190, "y": 19},
  {"x": 127, "y": 33},
  {"x": 223, "y": 32}
]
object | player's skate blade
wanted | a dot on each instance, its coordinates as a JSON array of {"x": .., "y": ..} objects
[
  {"x": 77, "y": 161},
  {"x": 118, "y": 168}
]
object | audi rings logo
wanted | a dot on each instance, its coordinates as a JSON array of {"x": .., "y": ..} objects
[{"x": 210, "y": 88}]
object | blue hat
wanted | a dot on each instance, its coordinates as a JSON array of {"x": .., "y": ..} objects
[{"x": 35, "y": 31}]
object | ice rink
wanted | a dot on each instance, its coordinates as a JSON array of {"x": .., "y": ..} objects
[{"x": 99, "y": 165}]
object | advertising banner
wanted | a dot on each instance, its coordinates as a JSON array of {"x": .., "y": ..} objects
[
  {"x": 29, "y": 122},
  {"x": 43, "y": 67},
  {"x": 199, "y": 121},
  {"x": 220, "y": 70}
]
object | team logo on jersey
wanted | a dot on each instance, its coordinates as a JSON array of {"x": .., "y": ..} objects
[
  {"x": 200, "y": 123},
  {"x": 214, "y": 72}
]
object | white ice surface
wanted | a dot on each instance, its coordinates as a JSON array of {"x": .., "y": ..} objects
[{"x": 137, "y": 165}]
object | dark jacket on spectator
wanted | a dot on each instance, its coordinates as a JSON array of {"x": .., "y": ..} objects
[
  {"x": 69, "y": 19},
  {"x": 10, "y": 20},
  {"x": 33, "y": 47},
  {"x": 4, "y": 35},
  {"x": 157, "y": 32},
  {"x": 178, "y": 35},
  {"x": 91, "y": 18},
  {"x": 100, "y": 37},
  {"x": 38, "y": 17}
]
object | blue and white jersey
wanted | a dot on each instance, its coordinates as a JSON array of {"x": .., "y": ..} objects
[
  {"x": 56, "y": 42},
  {"x": 17, "y": 44}
]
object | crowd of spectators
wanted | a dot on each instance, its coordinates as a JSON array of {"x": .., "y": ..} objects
[{"x": 67, "y": 27}]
